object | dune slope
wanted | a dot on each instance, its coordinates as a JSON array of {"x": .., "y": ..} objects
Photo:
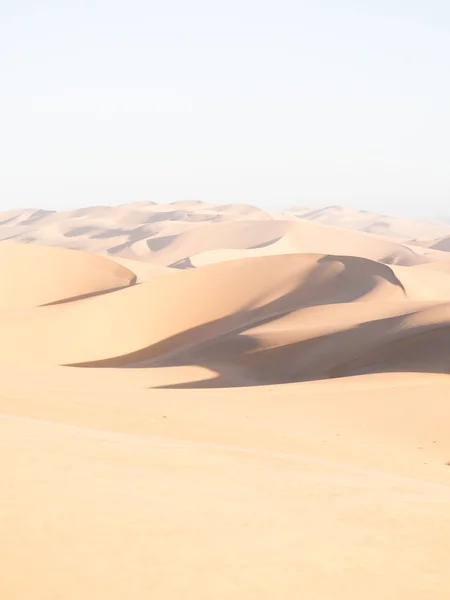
[
  {"x": 35, "y": 275},
  {"x": 275, "y": 237},
  {"x": 148, "y": 320}
]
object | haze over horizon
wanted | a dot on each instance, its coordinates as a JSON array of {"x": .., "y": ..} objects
[
  {"x": 271, "y": 208},
  {"x": 301, "y": 103}
]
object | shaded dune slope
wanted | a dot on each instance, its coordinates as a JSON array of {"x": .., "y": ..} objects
[
  {"x": 341, "y": 342},
  {"x": 151, "y": 320},
  {"x": 264, "y": 319},
  {"x": 442, "y": 244}
]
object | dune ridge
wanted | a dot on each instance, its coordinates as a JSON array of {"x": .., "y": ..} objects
[
  {"x": 37, "y": 275},
  {"x": 253, "y": 321}
]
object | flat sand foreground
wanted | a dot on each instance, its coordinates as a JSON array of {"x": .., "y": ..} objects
[
  {"x": 249, "y": 408},
  {"x": 330, "y": 489}
]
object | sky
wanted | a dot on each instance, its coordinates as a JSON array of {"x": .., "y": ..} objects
[{"x": 292, "y": 102}]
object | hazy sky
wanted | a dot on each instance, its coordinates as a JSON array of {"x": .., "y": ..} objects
[{"x": 273, "y": 103}]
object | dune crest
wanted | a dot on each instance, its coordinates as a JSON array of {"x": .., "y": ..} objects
[
  {"x": 145, "y": 321},
  {"x": 35, "y": 275}
]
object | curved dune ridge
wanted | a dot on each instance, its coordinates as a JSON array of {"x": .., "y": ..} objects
[
  {"x": 196, "y": 304},
  {"x": 250, "y": 238},
  {"x": 266, "y": 319},
  {"x": 37, "y": 275}
]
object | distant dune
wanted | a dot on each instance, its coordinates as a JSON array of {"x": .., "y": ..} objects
[
  {"x": 400, "y": 229},
  {"x": 203, "y": 401},
  {"x": 442, "y": 244},
  {"x": 151, "y": 232}
]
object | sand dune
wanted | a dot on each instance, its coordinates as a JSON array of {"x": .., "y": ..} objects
[
  {"x": 429, "y": 281},
  {"x": 142, "y": 270},
  {"x": 400, "y": 229},
  {"x": 36, "y": 275},
  {"x": 270, "y": 318},
  {"x": 324, "y": 342},
  {"x": 437, "y": 265},
  {"x": 203, "y": 401},
  {"x": 146, "y": 321},
  {"x": 442, "y": 244},
  {"x": 151, "y": 232},
  {"x": 275, "y": 237}
]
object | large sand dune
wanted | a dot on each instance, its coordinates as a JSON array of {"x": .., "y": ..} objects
[
  {"x": 203, "y": 401},
  {"x": 147, "y": 321}
]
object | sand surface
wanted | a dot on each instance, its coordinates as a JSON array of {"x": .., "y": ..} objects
[{"x": 201, "y": 401}]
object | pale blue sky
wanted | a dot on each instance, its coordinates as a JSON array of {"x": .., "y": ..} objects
[{"x": 272, "y": 103}]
